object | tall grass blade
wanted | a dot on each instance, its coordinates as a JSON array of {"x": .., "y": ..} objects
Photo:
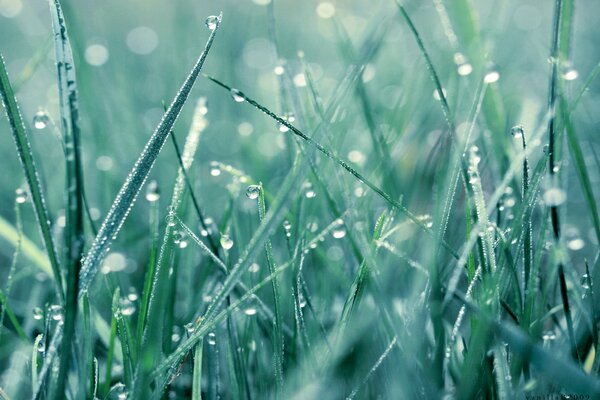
[
  {"x": 73, "y": 233},
  {"x": 26, "y": 158},
  {"x": 129, "y": 191}
]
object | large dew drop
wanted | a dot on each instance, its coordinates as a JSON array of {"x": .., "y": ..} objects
[
  {"x": 226, "y": 242},
  {"x": 554, "y": 197},
  {"x": 252, "y": 192},
  {"x": 212, "y": 22},
  {"x": 237, "y": 96}
]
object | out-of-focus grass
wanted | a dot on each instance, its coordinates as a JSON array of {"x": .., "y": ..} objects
[{"x": 400, "y": 241}]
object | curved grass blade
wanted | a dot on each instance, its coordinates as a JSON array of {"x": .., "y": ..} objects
[
  {"x": 73, "y": 234},
  {"x": 26, "y": 157},
  {"x": 129, "y": 191}
]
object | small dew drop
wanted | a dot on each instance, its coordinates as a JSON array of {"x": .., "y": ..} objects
[
  {"x": 309, "y": 190},
  {"x": 133, "y": 294},
  {"x": 41, "y": 347},
  {"x": 254, "y": 268},
  {"x": 56, "y": 312},
  {"x": 40, "y": 119},
  {"x": 340, "y": 231},
  {"x": 250, "y": 311},
  {"x": 237, "y": 96},
  {"x": 190, "y": 328},
  {"x": 127, "y": 307},
  {"x": 38, "y": 313},
  {"x": 517, "y": 131},
  {"x": 212, "y": 22},
  {"x": 554, "y": 197},
  {"x": 252, "y": 192},
  {"x": 215, "y": 168},
  {"x": 212, "y": 339},
  {"x": 569, "y": 73},
  {"x": 152, "y": 192},
  {"x": 287, "y": 227},
  {"x": 226, "y": 242},
  {"x": 492, "y": 75},
  {"x": 21, "y": 196}
]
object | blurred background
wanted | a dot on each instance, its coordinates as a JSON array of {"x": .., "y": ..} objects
[{"x": 131, "y": 56}]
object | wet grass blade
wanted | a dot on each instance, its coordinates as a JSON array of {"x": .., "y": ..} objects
[
  {"x": 278, "y": 342},
  {"x": 74, "y": 210},
  {"x": 129, "y": 191},
  {"x": 26, "y": 158}
]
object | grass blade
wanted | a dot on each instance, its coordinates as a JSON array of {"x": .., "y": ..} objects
[
  {"x": 73, "y": 234},
  {"x": 26, "y": 158},
  {"x": 129, "y": 191}
]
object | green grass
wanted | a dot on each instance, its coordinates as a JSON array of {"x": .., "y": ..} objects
[{"x": 349, "y": 213}]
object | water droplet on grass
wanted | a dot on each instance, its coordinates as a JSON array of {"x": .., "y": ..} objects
[
  {"x": 212, "y": 339},
  {"x": 492, "y": 75},
  {"x": 41, "y": 347},
  {"x": 127, "y": 307},
  {"x": 517, "y": 131},
  {"x": 309, "y": 190},
  {"x": 576, "y": 244},
  {"x": 226, "y": 242},
  {"x": 56, "y": 312},
  {"x": 237, "y": 96},
  {"x": 211, "y": 22},
  {"x": 340, "y": 231},
  {"x": 40, "y": 119},
  {"x": 254, "y": 268},
  {"x": 250, "y": 311},
  {"x": 21, "y": 196},
  {"x": 252, "y": 192},
  {"x": 215, "y": 168},
  {"x": 152, "y": 191},
  {"x": 287, "y": 227},
  {"x": 38, "y": 313},
  {"x": 569, "y": 73}
]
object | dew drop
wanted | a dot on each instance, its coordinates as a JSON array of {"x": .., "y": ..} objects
[
  {"x": 40, "y": 119},
  {"x": 38, "y": 313},
  {"x": 152, "y": 191},
  {"x": 492, "y": 75},
  {"x": 215, "y": 168},
  {"x": 226, "y": 242},
  {"x": 569, "y": 73},
  {"x": 56, "y": 312},
  {"x": 41, "y": 347},
  {"x": 554, "y": 197},
  {"x": 133, "y": 294},
  {"x": 576, "y": 244},
  {"x": 252, "y": 192},
  {"x": 211, "y": 22},
  {"x": 340, "y": 231},
  {"x": 21, "y": 196},
  {"x": 190, "y": 328},
  {"x": 212, "y": 339},
  {"x": 517, "y": 131},
  {"x": 309, "y": 190},
  {"x": 127, "y": 307},
  {"x": 287, "y": 227},
  {"x": 237, "y": 96},
  {"x": 254, "y": 268},
  {"x": 250, "y": 311}
]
